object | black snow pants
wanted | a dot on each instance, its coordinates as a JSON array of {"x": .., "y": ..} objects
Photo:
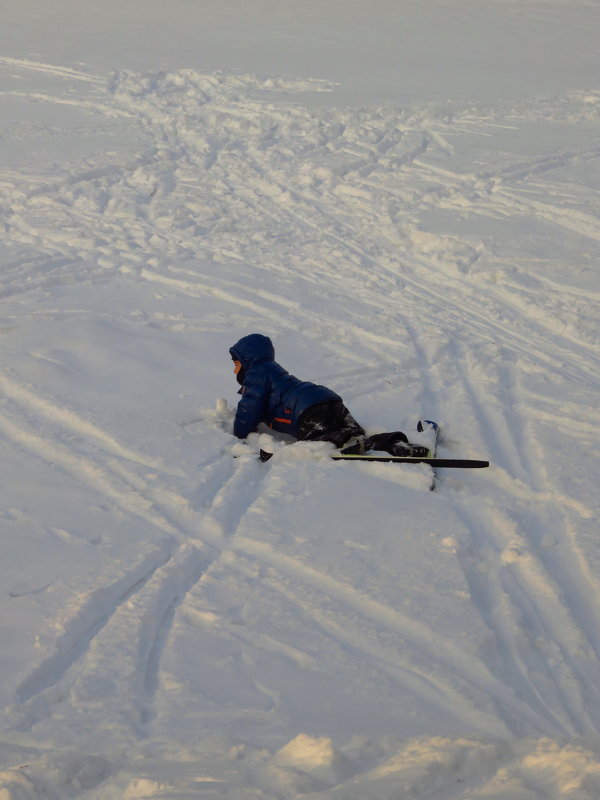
[{"x": 328, "y": 422}]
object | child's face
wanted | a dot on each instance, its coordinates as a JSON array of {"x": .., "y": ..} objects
[{"x": 237, "y": 365}]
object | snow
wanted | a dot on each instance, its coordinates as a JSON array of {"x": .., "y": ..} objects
[{"x": 404, "y": 196}]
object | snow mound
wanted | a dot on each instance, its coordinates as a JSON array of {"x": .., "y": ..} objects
[{"x": 315, "y": 756}]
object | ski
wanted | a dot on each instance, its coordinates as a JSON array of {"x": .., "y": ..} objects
[
  {"x": 426, "y": 455},
  {"x": 434, "y": 461},
  {"x": 452, "y": 463},
  {"x": 432, "y": 429}
]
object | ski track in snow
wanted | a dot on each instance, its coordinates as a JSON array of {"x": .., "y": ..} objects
[
  {"x": 99, "y": 632},
  {"x": 231, "y": 169}
]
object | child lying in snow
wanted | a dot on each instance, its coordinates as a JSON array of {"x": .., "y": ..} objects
[{"x": 305, "y": 410}]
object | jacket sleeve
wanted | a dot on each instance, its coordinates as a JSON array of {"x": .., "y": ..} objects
[{"x": 251, "y": 410}]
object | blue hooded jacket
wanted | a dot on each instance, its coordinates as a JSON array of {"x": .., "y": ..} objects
[{"x": 269, "y": 393}]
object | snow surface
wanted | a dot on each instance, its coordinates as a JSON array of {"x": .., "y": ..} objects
[{"x": 404, "y": 195}]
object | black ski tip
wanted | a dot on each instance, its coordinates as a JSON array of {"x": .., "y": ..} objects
[
  {"x": 264, "y": 455},
  {"x": 421, "y": 426}
]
